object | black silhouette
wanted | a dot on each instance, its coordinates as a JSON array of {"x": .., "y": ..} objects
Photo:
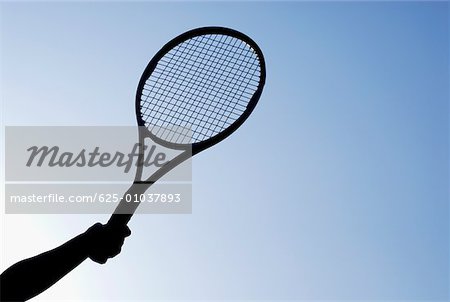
[
  {"x": 32, "y": 276},
  {"x": 208, "y": 81}
]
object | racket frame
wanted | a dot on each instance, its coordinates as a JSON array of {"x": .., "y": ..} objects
[
  {"x": 124, "y": 210},
  {"x": 212, "y": 30}
]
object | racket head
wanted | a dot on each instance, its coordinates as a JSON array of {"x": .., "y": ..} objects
[{"x": 215, "y": 47}]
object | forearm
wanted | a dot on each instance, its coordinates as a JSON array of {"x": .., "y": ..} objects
[{"x": 32, "y": 276}]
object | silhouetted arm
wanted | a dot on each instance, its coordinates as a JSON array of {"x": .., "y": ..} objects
[{"x": 32, "y": 276}]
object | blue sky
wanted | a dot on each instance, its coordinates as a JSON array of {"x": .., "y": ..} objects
[{"x": 335, "y": 188}]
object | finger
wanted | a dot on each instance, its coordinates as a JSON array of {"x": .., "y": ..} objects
[
  {"x": 99, "y": 259},
  {"x": 121, "y": 230},
  {"x": 115, "y": 252},
  {"x": 113, "y": 243},
  {"x": 127, "y": 231}
]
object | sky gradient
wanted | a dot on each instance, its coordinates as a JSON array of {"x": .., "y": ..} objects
[{"x": 336, "y": 188}]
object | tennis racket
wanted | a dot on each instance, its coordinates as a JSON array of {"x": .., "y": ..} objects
[{"x": 207, "y": 80}]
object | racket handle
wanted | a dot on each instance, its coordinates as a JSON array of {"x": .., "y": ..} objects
[
  {"x": 119, "y": 219},
  {"x": 125, "y": 210}
]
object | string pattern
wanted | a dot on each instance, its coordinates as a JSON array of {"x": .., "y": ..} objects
[{"x": 199, "y": 88}]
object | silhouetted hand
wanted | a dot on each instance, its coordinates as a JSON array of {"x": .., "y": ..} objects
[{"x": 105, "y": 241}]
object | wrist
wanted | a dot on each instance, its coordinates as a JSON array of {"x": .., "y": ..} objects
[{"x": 90, "y": 238}]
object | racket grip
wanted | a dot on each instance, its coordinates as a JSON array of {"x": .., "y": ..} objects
[
  {"x": 128, "y": 204},
  {"x": 119, "y": 219}
]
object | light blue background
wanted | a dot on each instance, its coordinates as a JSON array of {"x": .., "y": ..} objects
[{"x": 337, "y": 187}]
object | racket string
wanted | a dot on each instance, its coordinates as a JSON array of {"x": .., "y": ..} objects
[
  {"x": 228, "y": 103},
  {"x": 217, "y": 90},
  {"x": 178, "y": 77},
  {"x": 187, "y": 105},
  {"x": 203, "y": 84},
  {"x": 200, "y": 95},
  {"x": 170, "y": 87},
  {"x": 239, "y": 97}
]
